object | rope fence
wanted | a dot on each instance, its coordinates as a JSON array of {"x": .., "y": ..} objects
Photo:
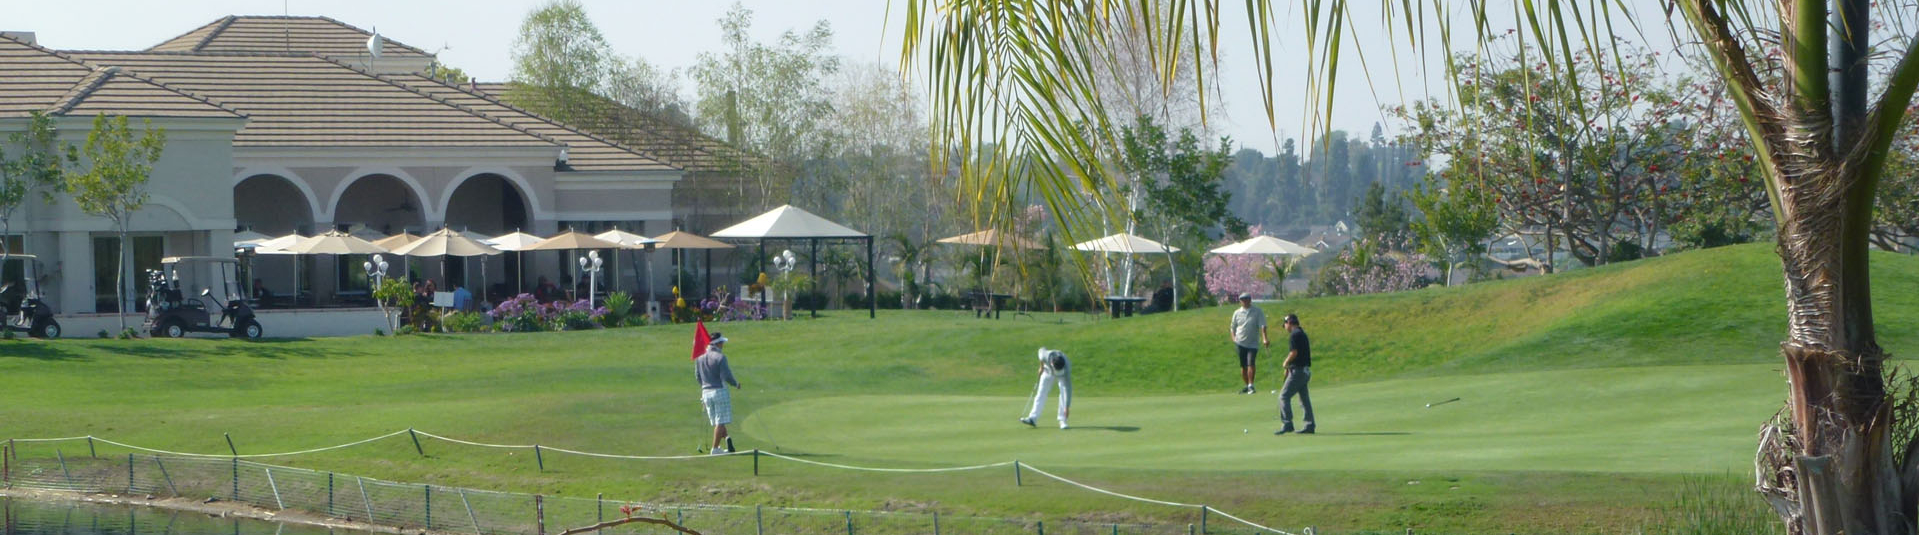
[{"x": 234, "y": 478}]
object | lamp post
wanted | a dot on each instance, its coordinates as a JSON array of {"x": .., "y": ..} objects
[
  {"x": 785, "y": 262},
  {"x": 591, "y": 265},
  {"x": 376, "y": 273}
]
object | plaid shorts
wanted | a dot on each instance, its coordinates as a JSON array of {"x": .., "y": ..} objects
[{"x": 719, "y": 405}]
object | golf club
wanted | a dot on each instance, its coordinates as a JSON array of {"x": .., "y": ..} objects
[{"x": 1430, "y": 405}]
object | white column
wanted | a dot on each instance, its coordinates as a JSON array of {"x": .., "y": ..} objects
[{"x": 74, "y": 265}]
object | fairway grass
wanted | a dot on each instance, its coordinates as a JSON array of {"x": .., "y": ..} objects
[{"x": 1588, "y": 401}]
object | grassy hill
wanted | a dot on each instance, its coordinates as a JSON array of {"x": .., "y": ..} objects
[{"x": 1589, "y": 398}]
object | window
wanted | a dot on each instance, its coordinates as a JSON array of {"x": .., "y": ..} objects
[{"x": 147, "y": 251}]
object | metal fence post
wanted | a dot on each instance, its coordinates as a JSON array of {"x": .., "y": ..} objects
[
  {"x": 329, "y": 494},
  {"x": 936, "y": 523},
  {"x": 756, "y": 461},
  {"x": 129, "y": 473},
  {"x": 849, "y": 523},
  {"x": 236, "y": 479},
  {"x": 90, "y": 453},
  {"x": 1016, "y": 481},
  {"x": 236, "y": 451},
  {"x": 1203, "y": 510},
  {"x": 539, "y": 514},
  {"x": 364, "y": 500},
  {"x": 276, "y": 490},
  {"x": 416, "y": 442},
  {"x": 599, "y": 507},
  {"x": 429, "y": 505},
  {"x": 538, "y": 459},
  {"x": 163, "y": 474},
  {"x": 1040, "y": 525},
  {"x": 469, "y": 512},
  {"x": 759, "y": 521},
  {"x": 63, "y": 465},
  {"x": 6, "y": 465}
]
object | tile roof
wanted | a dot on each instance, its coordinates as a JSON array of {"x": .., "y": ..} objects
[
  {"x": 46, "y": 81},
  {"x": 260, "y": 33},
  {"x": 678, "y": 145},
  {"x": 586, "y": 151},
  {"x": 303, "y": 100}
]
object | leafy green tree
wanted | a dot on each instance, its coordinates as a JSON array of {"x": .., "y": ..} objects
[
  {"x": 111, "y": 182},
  {"x": 771, "y": 99},
  {"x": 1382, "y": 218},
  {"x": 1184, "y": 197},
  {"x": 1455, "y": 222},
  {"x": 37, "y": 167},
  {"x": 561, "y": 57}
]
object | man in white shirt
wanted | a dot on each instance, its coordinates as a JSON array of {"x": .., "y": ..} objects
[{"x": 1054, "y": 369}]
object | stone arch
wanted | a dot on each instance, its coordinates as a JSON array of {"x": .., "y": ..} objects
[
  {"x": 429, "y": 211},
  {"x": 261, "y": 202},
  {"x": 533, "y": 209},
  {"x": 369, "y": 198}
]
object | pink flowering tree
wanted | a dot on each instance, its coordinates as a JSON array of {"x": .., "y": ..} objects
[{"x": 1228, "y": 275}]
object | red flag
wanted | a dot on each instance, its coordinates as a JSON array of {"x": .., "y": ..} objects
[{"x": 700, "y": 340}]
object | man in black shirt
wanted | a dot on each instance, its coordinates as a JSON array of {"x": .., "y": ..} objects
[{"x": 1299, "y": 362}]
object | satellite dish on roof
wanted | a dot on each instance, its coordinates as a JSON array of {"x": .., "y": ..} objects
[{"x": 375, "y": 43}]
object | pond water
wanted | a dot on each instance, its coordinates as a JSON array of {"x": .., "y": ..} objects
[{"x": 41, "y": 517}]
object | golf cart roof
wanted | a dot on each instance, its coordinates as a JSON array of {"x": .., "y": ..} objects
[
  {"x": 179, "y": 259},
  {"x": 24, "y": 256}
]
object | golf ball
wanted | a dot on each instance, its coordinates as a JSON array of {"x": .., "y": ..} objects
[{"x": 1242, "y": 430}]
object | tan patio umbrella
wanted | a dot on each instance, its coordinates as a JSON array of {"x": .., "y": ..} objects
[
  {"x": 516, "y": 242},
  {"x": 446, "y": 242},
  {"x": 334, "y": 243},
  {"x": 394, "y": 242},
  {"x": 572, "y": 241},
  {"x": 683, "y": 240},
  {"x": 628, "y": 240},
  {"x": 366, "y": 233},
  {"x": 991, "y": 237},
  {"x": 278, "y": 246}
]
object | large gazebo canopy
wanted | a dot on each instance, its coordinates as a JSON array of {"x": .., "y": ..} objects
[{"x": 791, "y": 223}]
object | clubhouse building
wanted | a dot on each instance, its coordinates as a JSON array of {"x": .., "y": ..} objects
[{"x": 279, "y": 125}]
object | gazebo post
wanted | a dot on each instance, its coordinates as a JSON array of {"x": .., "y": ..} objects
[
  {"x": 756, "y": 278},
  {"x": 872, "y": 293},
  {"x": 814, "y": 259}
]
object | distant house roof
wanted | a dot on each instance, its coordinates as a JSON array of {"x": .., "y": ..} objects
[
  {"x": 678, "y": 145},
  {"x": 586, "y": 151},
  {"x": 45, "y": 81},
  {"x": 258, "y": 33},
  {"x": 303, "y": 100}
]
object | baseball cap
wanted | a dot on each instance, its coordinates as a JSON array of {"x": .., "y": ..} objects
[
  {"x": 717, "y": 338},
  {"x": 1292, "y": 318},
  {"x": 1245, "y": 296}
]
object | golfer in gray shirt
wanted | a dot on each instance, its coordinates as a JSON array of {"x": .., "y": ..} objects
[{"x": 714, "y": 375}]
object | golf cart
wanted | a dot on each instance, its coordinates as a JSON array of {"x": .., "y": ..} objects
[
  {"x": 22, "y": 305},
  {"x": 171, "y": 314}
]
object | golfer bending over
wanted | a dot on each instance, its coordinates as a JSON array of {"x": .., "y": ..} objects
[
  {"x": 714, "y": 375},
  {"x": 1053, "y": 368}
]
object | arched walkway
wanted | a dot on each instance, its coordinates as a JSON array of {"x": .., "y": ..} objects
[{"x": 492, "y": 205}]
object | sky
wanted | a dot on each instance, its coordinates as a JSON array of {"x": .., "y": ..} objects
[{"x": 477, "y": 36}]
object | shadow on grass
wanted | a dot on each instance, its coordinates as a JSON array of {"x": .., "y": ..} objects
[
  {"x": 1119, "y": 428},
  {"x": 271, "y": 348},
  {"x": 1363, "y": 434},
  {"x": 37, "y": 350}
]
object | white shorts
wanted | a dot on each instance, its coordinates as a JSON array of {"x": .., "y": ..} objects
[{"x": 719, "y": 405}]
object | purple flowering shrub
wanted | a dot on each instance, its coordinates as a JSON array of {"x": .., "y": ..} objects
[{"x": 523, "y": 313}]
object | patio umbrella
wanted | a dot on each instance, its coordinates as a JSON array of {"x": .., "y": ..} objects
[
  {"x": 571, "y": 241},
  {"x": 277, "y": 246},
  {"x": 334, "y": 243},
  {"x": 1128, "y": 244},
  {"x": 445, "y": 242},
  {"x": 247, "y": 239},
  {"x": 365, "y": 233},
  {"x": 395, "y": 241},
  {"x": 1265, "y": 246},
  {"x": 516, "y": 241},
  {"x": 991, "y": 237},
  {"x": 686, "y": 240},
  {"x": 628, "y": 240}
]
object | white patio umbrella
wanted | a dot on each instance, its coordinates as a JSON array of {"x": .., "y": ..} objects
[
  {"x": 247, "y": 239},
  {"x": 277, "y": 246},
  {"x": 1266, "y": 246},
  {"x": 628, "y": 240},
  {"x": 515, "y": 242},
  {"x": 1129, "y": 244}
]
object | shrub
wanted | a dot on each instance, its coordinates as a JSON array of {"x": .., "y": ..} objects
[
  {"x": 129, "y": 333},
  {"x": 466, "y": 322},
  {"x": 522, "y": 313},
  {"x": 103, "y": 334},
  {"x": 619, "y": 306}
]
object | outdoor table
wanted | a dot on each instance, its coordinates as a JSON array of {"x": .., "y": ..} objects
[
  {"x": 1118, "y": 302},
  {"x": 993, "y": 303}
]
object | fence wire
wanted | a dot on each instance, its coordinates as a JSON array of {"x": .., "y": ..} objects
[{"x": 77, "y": 465}]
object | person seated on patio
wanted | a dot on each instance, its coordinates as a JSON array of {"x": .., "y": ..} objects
[
  {"x": 260, "y": 292},
  {"x": 545, "y": 291},
  {"x": 462, "y": 299},
  {"x": 1162, "y": 299}
]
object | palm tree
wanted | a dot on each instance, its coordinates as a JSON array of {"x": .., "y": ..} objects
[{"x": 1013, "y": 80}]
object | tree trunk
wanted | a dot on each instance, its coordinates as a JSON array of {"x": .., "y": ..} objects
[{"x": 120, "y": 278}]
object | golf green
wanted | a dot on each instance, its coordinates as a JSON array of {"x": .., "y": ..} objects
[{"x": 1644, "y": 419}]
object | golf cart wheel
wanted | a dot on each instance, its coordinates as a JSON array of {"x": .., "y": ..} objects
[
  {"x": 249, "y": 329},
  {"x": 173, "y": 329},
  {"x": 45, "y": 328}
]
